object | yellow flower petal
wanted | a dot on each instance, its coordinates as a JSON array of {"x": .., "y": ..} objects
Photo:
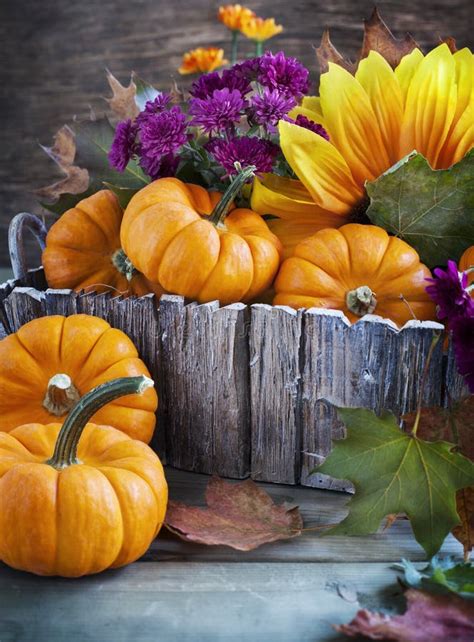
[
  {"x": 283, "y": 197},
  {"x": 430, "y": 105},
  {"x": 311, "y": 115},
  {"x": 313, "y": 103},
  {"x": 352, "y": 124},
  {"x": 405, "y": 70},
  {"x": 461, "y": 135},
  {"x": 320, "y": 167},
  {"x": 379, "y": 81}
]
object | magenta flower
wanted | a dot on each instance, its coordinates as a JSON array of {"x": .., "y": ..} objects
[
  {"x": 269, "y": 108},
  {"x": 462, "y": 329},
  {"x": 449, "y": 292},
  {"x": 245, "y": 151},
  {"x": 288, "y": 75},
  {"x": 220, "y": 112},
  {"x": 306, "y": 123},
  {"x": 124, "y": 145},
  {"x": 230, "y": 79},
  {"x": 156, "y": 106},
  {"x": 161, "y": 134}
]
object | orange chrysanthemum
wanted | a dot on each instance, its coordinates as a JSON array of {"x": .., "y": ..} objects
[
  {"x": 234, "y": 15},
  {"x": 259, "y": 29},
  {"x": 202, "y": 60},
  {"x": 373, "y": 119}
]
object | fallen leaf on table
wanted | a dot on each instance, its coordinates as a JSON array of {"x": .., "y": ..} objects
[
  {"x": 394, "y": 472},
  {"x": 239, "y": 515},
  {"x": 63, "y": 153},
  {"x": 123, "y": 100},
  {"x": 454, "y": 424},
  {"x": 428, "y": 618},
  {"x": 441, "y": 575},
  {"x": 379, "y": 38}
]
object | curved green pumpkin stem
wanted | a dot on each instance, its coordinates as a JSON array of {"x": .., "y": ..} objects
[
  {"x": 65, "y": 451},
  {"x": 222, "y": 208}
]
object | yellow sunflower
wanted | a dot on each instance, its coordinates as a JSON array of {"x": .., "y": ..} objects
[{"x": 373, "y": 119}]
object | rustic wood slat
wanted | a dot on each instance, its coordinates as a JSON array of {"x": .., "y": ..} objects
[
  {"x": 204, "y": 372},
  {"x": 368, "y": 364},
  {"x": 22, "y": 305},
  {"x": 454, "y": 384},
  {"x": 275, "y": 334}
]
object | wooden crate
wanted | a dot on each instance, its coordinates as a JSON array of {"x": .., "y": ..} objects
[{"x": 249, "y": 390}]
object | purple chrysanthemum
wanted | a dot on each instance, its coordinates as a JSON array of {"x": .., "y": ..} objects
[
  {"x": 219, "y": 112},
  {"x": 288, "y": 75},
  {"x": 449, "y": 292},
  {"x": 159, "y": 167},
  {"x": 462, "y": 329},
  {"x": 124, "y": 145},
  {"x": 155, "y": 106},
  {"x": 269, "y": 108},
  {"x": 245, "y": 151},
  {"x": 248, "y": 69},
  {"x": 206, "y": 84},
  {"x": 306, "y": 123},
  {"x": 161, "y": 135}
]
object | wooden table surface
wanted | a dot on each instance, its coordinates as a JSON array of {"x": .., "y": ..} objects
[
  {"x": 286, "y": 591},
  {"x": 53, "y": 54}
]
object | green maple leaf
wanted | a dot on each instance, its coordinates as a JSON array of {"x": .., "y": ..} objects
[
  {"x": 430, "y": 209},
  {"x": 440, "y": 576},
  {"x": 394, "y": 472}
]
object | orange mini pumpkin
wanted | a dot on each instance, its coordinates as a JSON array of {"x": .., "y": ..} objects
[
  {"x": 359, "y": 269},
  {"x": 467, "y": 261},
  {"x": 80, "y": 498},
  {"x": 180, "y": 236},
  {"x": 51, "y": 362},
  {"x": 83, "y": 250}
]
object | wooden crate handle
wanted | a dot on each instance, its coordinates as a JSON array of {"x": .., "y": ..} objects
[{"x": 16, "y": 235}]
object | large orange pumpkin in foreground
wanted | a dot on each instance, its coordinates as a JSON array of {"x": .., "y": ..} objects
[
  {"x": 359, "y": 269},
  {"x": 182, "y": 237},
  {"x": 83, "y": 250},
  {"x": 78, "y": 499},
  {"x": 51, "y": 362}
]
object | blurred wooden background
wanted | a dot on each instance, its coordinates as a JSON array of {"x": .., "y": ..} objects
[{"x": 53, "y": 54}]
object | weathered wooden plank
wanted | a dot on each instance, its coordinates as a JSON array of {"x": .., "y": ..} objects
[
  {"x": 191, "y": 601},
  {"x": 274, "y": 339},
  {"x": 205, "y": 386},
  {"x": 22, "y": 305},
  {"x": 62, "y": 302},
  {"x": 318, "y": 507},
  {"x": 454, "y": 386},
  {"x": 368, "y": 364}
]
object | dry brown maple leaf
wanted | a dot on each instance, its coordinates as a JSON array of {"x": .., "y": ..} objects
[
  {"x": 63, "y": 153},
  {"x": 428, "y": 618},
  {"x": 456, "y": 425},
  {"x": 122, "y": 102},
  {"x": 378, "y": 37},
  {"x": 327, "y": 52},
  {"x": 240, "y": 515}
]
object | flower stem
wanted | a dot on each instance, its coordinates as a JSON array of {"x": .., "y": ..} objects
[
  {"x": 222, "y": 208},
  {"x": 235, "y": 47},
  {"x": 258, "y": 48},
  {"x": 65, "y": 451},
  {"x": 434, "y": 343}
]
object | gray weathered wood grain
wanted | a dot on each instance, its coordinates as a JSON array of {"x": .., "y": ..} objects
[
  {"x": 252, "y": 389},
  {"x": 205, "y": 380},
  {"x": 275, "y": 334}
]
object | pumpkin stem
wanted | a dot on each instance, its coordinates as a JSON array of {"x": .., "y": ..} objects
[
  {"x": 65, "y": 451},
  {"x": 222, "y": 208},
  {"x": 361, "y": 301},
  {"x": 123, "y": 264},
  {"x": 61, "y": 395}
]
